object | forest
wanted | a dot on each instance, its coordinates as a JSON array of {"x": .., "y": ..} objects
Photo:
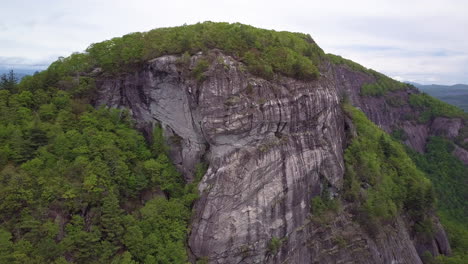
[
  {"x": 72, "y": 179},
  {"x": 448, "y": 175}
]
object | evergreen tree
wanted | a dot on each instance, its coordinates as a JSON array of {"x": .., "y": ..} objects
[{"x": 9, "y": 81}]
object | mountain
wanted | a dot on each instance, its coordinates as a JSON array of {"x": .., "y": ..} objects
[
  {"x": 454, "y": 94},
  {"x": 225, "y": 143}
]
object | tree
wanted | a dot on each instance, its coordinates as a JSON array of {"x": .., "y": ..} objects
[
  {"x": 111, "y": 218},
  {"x": 9, "y": 81},
  {"x": 6, "y": 246},
  {"x": 159, "y": 143}
]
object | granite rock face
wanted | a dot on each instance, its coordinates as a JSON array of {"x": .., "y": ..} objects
[
  {"x": 157, "y": 94},
  {"x": 446, "y": 127},
  {"x": 271, "y": 146}
]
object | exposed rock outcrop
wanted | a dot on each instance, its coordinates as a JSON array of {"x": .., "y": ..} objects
[
  {"x": 380, "y": 110},
  {"x": 271, "y": 147},
  {"x": 158, "y": 94},
  {"x": 461, "y": 154},
  {"x": 446, "y": 127}
]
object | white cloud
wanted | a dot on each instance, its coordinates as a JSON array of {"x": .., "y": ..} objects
[{"x": 418, "y": 39}]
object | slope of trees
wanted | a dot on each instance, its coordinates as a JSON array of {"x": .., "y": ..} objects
[
  {"x": 67, "y": 170},
  {"x": 449, "y": 176},
  {"x": 396, "y": 178},
  {"x": 431, "y": 107},
  {"x": 381, "y": 179}
]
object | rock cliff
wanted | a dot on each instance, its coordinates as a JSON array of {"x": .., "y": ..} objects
[
  {"x": 392, "y": 117},
  {"x": 271, "y": 146}
]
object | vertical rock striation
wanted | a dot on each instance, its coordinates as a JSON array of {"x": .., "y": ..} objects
[{"x": 271, "y": 146}]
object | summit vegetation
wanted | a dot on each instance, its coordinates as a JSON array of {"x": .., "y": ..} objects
[{"x": 265, "y": 52}]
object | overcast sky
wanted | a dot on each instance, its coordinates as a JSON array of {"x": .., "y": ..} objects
[{"x": 424, "y": 41}]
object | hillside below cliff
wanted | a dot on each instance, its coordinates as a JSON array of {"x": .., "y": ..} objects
[{"x": 260, "y": 148}]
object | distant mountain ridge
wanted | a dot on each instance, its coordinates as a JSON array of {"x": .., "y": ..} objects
[
  {"x": 453, "y": 94},
  {"x": 19, "y": 73}
]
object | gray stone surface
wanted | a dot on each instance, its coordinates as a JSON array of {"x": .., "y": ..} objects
[
  {"x": 271, "y": 146},
  {"x": 446, "y": 127},
  {"x": 461, "y": 154}
]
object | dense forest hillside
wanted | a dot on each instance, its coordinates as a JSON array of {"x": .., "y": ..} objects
[
  {"x": 223, "y": 143},
  {"x": 80, "y": 184}
]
